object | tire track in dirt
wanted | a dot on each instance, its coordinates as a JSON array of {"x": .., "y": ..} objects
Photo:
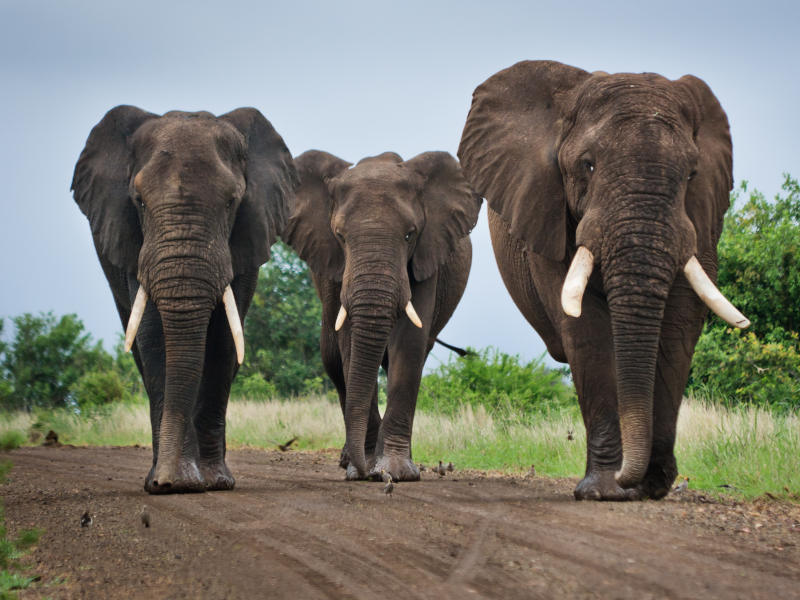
[{"x": 294, "y": 528}]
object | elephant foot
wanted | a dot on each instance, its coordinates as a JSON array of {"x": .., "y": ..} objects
[
  {"x": 399, "y": 467},
  {"x": 601, "y": 485},
  {"x": 216, "y": 476},
  {"x": 176, "y": 478},
  {"x": 659, "y": 478}
]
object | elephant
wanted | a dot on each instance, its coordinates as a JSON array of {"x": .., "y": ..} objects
[
  {"x": 606, "y": 195},
  {"x": 183, "y": 209},
  {"x": 388, "y": 248}
]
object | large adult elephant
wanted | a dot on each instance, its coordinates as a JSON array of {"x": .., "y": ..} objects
[
  {"x": 387, "y": 243},
  {"x": 606, "y": 197},
  {"x": 183, "y": 210}
]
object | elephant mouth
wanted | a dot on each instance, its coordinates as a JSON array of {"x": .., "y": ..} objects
[
  {"x": 231, "y": 311},
  {"x": 583, "y": 263}
]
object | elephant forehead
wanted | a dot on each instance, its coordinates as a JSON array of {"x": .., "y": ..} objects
[
  {"x": 627, "y": 94},
  {"x": 191, "y": 134},
  {"x": 381, "y": 179}
]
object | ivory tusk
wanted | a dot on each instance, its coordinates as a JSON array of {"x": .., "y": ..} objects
[
  {"x": 234, "y": 321},
  {"x": 340, "y": 318},
  {"x": 709, "y": 293},
  {"x": 412, "y": 315},
  {"x": 136, "y": 317},
  {"x": 575, "y": 282}
]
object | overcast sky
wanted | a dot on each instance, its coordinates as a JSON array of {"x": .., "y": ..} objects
[{"x": 354, "y": 79}]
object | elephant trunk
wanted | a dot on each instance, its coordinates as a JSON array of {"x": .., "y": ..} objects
[
  {"x": 637, "y": 280},
  {"x": 374, "y": 301}
]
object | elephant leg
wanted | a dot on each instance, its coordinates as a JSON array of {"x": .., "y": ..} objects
[
  {"x": 335, "y": 352},
  {"x": 683, "y": 323},
  {"x": 588, "y": 345},
  {"x": 219, "y": 369},
  {"x": 407, "y": 351}
]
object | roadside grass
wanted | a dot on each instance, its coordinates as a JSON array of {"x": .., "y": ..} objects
[
  {"x": 753, "y": 450},
  {"x": 12, "y": 577}
]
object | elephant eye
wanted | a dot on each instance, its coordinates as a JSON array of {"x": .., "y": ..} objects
[
  {"x": 589, "y": 166},
  {"x": 691, "y": 175},
  {"x": 338, "y": 234},
  {"x": 137, "y": 199},
  {"x": 410, "y": 235}
]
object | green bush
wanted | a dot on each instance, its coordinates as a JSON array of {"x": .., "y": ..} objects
[
  {"x": 97, "y": 388},
  {"x": 759, "y": 271},
  {"x": 499, "y": 382},
  {"x": 741, "y": 368},
  {"x": 254, "y": 386}
]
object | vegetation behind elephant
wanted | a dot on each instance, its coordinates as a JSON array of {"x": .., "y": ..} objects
[
  {"x": 614, "y": 186},
  {"x": 387, "y": 242},
  {"x": 183, "y": 210}
]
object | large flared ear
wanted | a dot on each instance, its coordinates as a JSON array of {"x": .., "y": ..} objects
[
  {"x": 708, "y": 192},
  {"x": 451, "y": 210},
  {"x": 100, "y": 186},
  {"x": 271, "y": 180},
  {"x": 309, "y": 228},
  {"x": 509, "y": 150}
]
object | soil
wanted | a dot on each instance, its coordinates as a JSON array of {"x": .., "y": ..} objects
[{"x": 293, "y": 528}]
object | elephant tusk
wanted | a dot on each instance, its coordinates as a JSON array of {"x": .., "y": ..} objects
[
  {"x": 340, "y": 318},
  {"x": 709, "y": 293},
  {"x": 235, "y": 323},
  {"x": 575, "y": 282},
  {"x": 412, "y": 315},
  {"x": 136, "y": 317}
]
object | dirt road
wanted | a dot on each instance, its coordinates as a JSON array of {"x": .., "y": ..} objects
[{"x": 293, "y": 528}]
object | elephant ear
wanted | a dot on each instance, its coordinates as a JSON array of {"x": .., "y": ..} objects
[
  {"x": 100, "y": 186},
  {"x": 708, "y": 192},
  {"x": 309, "y": 228},
  {"x": 271, "y": 180},
  {"x": 451, "y": 210},
  {"x": 509, "y": 150}
]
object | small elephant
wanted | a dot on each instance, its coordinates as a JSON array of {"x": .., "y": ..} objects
[
  {"x": 387, "y": 243},
  {"x": 183, "y": 210},
  {"x": 606, "y": 198}
]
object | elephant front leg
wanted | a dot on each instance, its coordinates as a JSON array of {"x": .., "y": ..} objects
[
  {"x": 683, "y": 323},
  {"x": 588, "y": 346},
  {"x": 219, "y": 369},
  {"x": 407, "y": 352}
]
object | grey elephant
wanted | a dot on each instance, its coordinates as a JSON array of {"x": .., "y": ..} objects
[
  {"x": 606, "y": 198},
  {"x": 183, "y": 210},
  {"x": 387, "y": 243}
]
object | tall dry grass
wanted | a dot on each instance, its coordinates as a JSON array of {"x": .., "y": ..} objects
[{"x": 751, "y": 449}]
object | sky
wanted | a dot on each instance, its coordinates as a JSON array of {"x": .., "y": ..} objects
[{"x": 351, "y": 78}]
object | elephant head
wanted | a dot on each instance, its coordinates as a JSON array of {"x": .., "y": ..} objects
[
  {"x": 625, "y": 174},
  {"x": 377, "y": 228},
  {"x": 182, "y": 204}
]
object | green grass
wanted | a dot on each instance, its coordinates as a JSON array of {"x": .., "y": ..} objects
[
  {"x": 11, "y": 550},
  {"x": 752, "y": 449}
]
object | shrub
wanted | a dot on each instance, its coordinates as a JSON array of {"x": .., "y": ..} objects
[
  {"x": 741, "y": 368},
  {"x": 97, "y": 388},
  {"x": 759, "y": 271},
  {"x": 497, "y": 381}
]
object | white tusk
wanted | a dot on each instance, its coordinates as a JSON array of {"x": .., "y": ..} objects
[
  {"x": 710, "y": 294},
  {"x": 136, "y": 317},
  {"x": 340, "y": 318},
  {"x": 412, "y": 315},
  {"x": 575, "y": 282},
  {"x": 235, "y": 323}
]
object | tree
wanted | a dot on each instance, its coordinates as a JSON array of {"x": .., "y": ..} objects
[
  {"x": 759, "y": 271},
  {"x": 282, "y": 331},
  {"x": 45, "y": 360}
]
